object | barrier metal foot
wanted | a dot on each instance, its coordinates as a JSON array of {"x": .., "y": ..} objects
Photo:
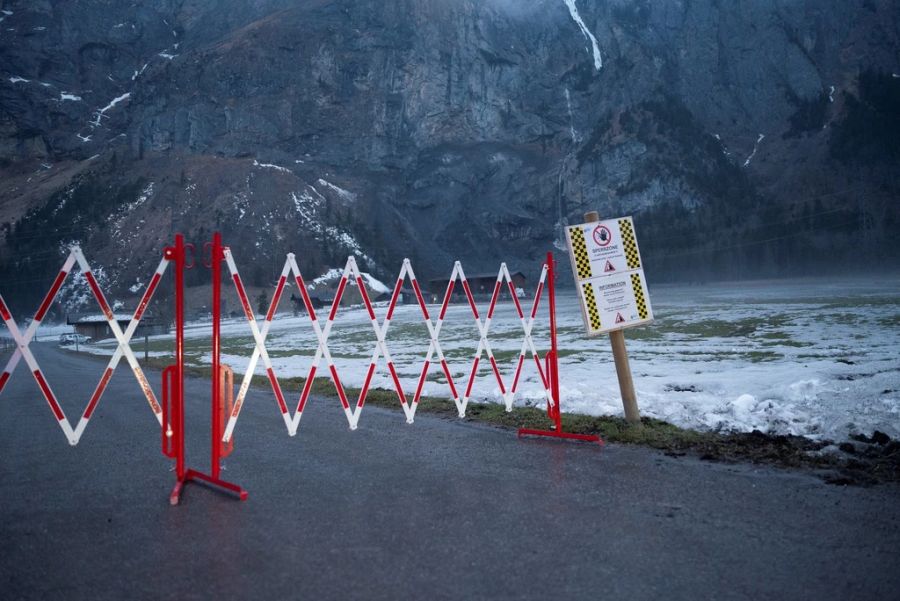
[
  {"x": 567, "y": 435},
  {"x": 201, "y": 478}
]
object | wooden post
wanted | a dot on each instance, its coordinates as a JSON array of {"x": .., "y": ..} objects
[{"x": 620, "y": 356}]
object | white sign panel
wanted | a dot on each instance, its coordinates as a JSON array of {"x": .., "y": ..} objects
[
  {"x": 604, "y": 247},
  {"x": 615, "y": 301},
  {"x": 609, "y": 276}
]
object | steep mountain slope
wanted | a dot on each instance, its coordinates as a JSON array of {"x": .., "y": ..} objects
[{"x": 746, "y": 137}]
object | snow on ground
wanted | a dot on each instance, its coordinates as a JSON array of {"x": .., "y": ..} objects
[{"x": 816, "y": 358}]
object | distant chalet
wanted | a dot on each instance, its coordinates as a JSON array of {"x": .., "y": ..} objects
[
  {"x": 481, "y": 285},
  {"x": 97, "y": 327}
]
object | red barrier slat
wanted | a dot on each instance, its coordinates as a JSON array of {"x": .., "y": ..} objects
[
  {"x": 48, "y": 394},
  {"x": 421, "y": 383},
  {"x": 39, "y": 316},
  {"x": 306, "y": 388},
  {"x": 497, "y": 373},
  {"x": 468, "y": 292},
  {"x": 537, "y": 300},
  {"x": 365, "y": 297},
  {"x": 277, "y": 297},
  {"x": 472, "y": 377},
  {"x": 98, "y": 392},
  {"x": 518, "y": 372},
  {"x": 541, "y": 372},
  {"x": 4, "y": 312},
  {"x": 447, "y": 296},
  {"x": 400, "y": 394},
  {"x": 337, "y": 299},
  {"x": 494, "y": 296},
  {"x": 305, "y": 295},
  {"x": 245, "y": 302},
  {"x": 98, "y": 294},
  {"x": 449, "y": 379},
  {"x": 421, "y": 300},
  {"x": 365, "y": 388},
  {"x": 147, "y": 295},
  {"x": 3, "y": 379},
  {"x": 394, "y": 298},
  {"x": 339, "y": 387},
  {"x": 276, "y": 388}
]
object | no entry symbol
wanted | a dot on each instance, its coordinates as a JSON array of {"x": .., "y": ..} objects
[{"x": 602, "y": 235}]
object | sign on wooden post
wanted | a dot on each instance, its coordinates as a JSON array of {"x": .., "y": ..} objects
[{"x": 609, "y": 276}]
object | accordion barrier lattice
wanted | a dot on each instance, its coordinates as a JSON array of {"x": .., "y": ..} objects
[{"x": 225, "y": 409}]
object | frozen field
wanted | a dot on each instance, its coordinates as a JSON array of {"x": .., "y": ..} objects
[{"x": 816, "y": 358}]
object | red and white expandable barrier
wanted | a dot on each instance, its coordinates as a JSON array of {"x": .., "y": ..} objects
[
  {"x": 173, "y": 377},
  {"x": 124, "y": 349},
  {"x": 322, "y": 332}
]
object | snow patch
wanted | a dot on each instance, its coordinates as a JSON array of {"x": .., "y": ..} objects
[
  {"x": 166, "y": 55},
  {"x": 345, "y": 239},
  {"x": 755, "y": 147},
  {"x": 374, "y": 284},
  {"x": 66, "y": 96},
  {"x": 84, "y": 139},
  {"x": 102, "y": 112},
  {"x": 140, "y": 72},
  {"x": 271, "y": 166},
  {"x": 573, "y": 10},
  {"x": 344, "y": 194},
  {"x": 329, "y": 276},
  {"x": 831, "y": 94},
  {"x": 17, "y": 79}
]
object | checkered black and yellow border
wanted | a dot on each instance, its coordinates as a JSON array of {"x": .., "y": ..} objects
[
  {"x": 639, "y": 299},
  {"x": 591, "y": 304},
  {"x": 579, "y": 249},
  {"x": 632, "y": 257}
]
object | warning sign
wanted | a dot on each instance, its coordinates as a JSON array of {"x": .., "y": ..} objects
[
  {"x": 603, "y": 247},
  {"x": 609, "y": 275},
  {"x": 614, "y": 302}
]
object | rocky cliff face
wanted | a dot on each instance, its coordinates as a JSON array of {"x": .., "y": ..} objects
[{"x": 745, "y": 137}]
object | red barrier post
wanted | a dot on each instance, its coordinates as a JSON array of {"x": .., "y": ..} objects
[
  {"x": 552, "y": 359},
  {"x": 177, "y": 395}
]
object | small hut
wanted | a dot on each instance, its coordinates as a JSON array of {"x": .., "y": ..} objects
[{"x": 97, "y": 328}]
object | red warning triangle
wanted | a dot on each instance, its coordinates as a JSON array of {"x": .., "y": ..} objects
[
  {"x": 619, "y": 318},
  {"x": 608, "y": 267}
]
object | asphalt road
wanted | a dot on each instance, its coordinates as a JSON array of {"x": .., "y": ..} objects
[{"x": 439, "y": 510}]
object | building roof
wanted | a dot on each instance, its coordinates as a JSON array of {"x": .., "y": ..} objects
[
  {"x": 98, "y": 318},
  {"x": 480, "y": 276}
]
